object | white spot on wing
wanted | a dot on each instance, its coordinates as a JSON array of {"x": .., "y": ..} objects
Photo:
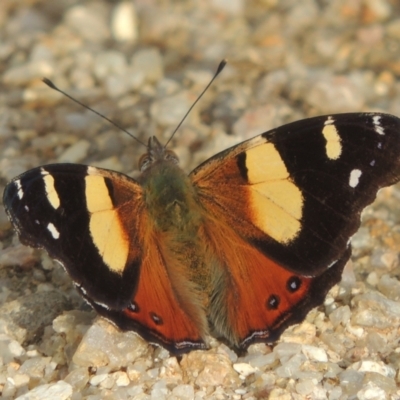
[
  {"x": 354, "y": 177},
  {"x": 53, "y": 230},
  {"x": 329, "y": 121},
  {"x": 20, "y": 191},
  {"x": 26, "y": 208},
  {"x": 102, "y": 305},
  {"x": 376, "y": 120},
  {"x": 81, "y": 288},
  {"x": 332, "y": 264},
  {"x": 92, "y": 170}
]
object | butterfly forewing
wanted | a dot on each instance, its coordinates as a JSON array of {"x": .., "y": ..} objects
[
  {"x": 296, "y": 192},
  {"x": 88, "y": 220}
]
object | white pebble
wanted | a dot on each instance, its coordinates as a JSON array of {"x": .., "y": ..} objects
[
  {"x": 124, "y": 25},
  {"x": 59, "y": 390},
  {"x": 244, "y": 369}
]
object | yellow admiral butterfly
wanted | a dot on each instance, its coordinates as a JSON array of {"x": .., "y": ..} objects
[{"x": 241, "y": 248}]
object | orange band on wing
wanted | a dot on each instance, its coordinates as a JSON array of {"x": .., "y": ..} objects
[
  {"x": 156, "y": 308},
  {"x": 263, "y": 292}
]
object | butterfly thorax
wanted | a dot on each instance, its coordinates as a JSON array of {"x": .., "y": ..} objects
[
  {"x": 170, "y": 198},
  {"x": 168, "y": 194}
]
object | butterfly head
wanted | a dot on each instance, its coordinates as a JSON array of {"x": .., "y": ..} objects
[{"x": 156, "y": 152}]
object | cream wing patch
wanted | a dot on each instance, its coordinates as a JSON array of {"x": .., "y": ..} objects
[
  {"x": 333, "y": 145},
  {"x": 276, "y": 202},
  {"x": 105, "y": 225},
  {"x": 51, "y": 193}
]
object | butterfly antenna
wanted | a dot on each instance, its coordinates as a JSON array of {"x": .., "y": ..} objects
[
  {"x": 221, "y": 66},
  {"x": 50, "y": 84}
]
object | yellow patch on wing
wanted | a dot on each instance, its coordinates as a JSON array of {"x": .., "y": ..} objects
[
  {"x": 106, "y": 227},
  {"x": 333, "y": 145},
  {"x": 51, "y": 193},
  {"x": 276, "y": 202}
]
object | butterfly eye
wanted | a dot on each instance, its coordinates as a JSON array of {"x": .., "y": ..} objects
[
  {"x": 144, "y": 162},
  {"x": 171, "y": 156}
]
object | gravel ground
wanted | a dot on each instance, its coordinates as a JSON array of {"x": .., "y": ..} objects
[{"x": 143, "y": 63}]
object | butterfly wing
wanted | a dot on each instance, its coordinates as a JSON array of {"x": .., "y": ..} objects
[
  {"x": 94, "y": 222},
  {"x": 77, "y": 214},
  {"x": 267, "y": 297},
  {"x": 296, "y": 192},
  {"x": 293, "y": 197}
]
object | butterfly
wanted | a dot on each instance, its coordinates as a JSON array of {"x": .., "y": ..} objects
[{"x": 241, "y": 248}]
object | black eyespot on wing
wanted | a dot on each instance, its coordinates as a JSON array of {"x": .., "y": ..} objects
[
  {"x": 273, "y": 302},
  {"x": 293, "y": 284}
]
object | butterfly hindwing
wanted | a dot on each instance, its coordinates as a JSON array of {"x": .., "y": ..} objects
[
  {"x": 155, "y": 312},
  {"x": 296, "y": 192},
  {"x": 267, "y": 296}
]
